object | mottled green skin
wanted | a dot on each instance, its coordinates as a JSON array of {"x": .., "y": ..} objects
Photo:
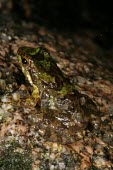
[{"x": 64, "y": 111}]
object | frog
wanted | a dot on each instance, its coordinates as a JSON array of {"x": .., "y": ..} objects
[{"x": 64, "y": 111}]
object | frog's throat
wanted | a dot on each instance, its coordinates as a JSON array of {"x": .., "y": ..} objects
[{"x": 26, "y": 73}]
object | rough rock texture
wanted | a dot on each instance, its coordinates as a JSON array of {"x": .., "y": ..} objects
[{"x": 88, "y": 65}]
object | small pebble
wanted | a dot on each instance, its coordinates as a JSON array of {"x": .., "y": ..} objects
[
  {"x": 16, "y": 96},
  {"x": 5, "y": 99},
  {"x": 2, "y": 84}
]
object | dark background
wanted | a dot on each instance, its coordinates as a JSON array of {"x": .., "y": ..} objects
[{"x": 66, "y": 15}]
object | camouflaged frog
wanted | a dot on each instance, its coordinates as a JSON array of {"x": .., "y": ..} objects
[{"x": 63, "y": 109}]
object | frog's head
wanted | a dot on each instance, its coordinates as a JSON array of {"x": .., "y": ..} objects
[{"x": 37, "y": 65}]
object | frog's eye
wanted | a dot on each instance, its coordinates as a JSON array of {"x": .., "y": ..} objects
[{"x": 24, "y": 61}]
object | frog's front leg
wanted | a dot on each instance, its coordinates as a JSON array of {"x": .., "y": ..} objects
[
  {"x": 34, "y": 98},
  {"x": 27, "y": 99}
]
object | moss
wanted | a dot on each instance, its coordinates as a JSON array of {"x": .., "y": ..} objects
[
  {"x": 10, "y": 159},
  {"x": 45, "y": 64},
  {"x": 47, "y": 78}
]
